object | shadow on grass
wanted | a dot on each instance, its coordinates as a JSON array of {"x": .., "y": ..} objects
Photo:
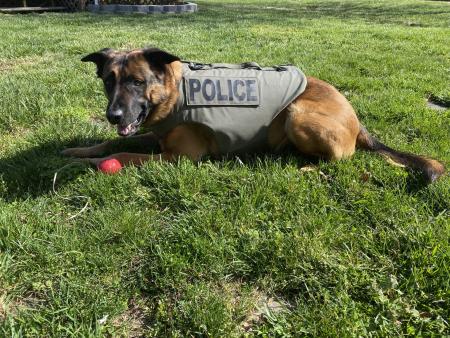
[
  {"x": 231, "y": 13},
  {"x": 30, "y": 173}
]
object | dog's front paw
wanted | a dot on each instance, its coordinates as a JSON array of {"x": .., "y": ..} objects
[
  {"x": 94, "y": 161},
  {"x": 77, "y": 152}
]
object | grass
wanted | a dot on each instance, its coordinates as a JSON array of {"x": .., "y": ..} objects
[{"x": 360, "y": 248}]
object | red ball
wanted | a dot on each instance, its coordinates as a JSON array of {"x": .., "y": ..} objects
[{"x": 110, "y": 166}]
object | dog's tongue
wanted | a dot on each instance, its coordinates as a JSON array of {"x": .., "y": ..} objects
[{"x": 124, "y": 131}]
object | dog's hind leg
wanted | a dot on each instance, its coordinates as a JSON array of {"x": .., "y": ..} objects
[
  {"x": 322, "y": 123},
  {"x": 319, "y": 136}
]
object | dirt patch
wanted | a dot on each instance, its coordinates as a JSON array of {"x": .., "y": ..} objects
[
  {"x": 264, "y": 306},
  {"x": 3, "y": 308},
  {"x": 133, "y": 320},
  {"x": 11, "y": 307}
]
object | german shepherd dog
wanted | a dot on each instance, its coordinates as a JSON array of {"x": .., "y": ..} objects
[{"x": 142, "y": 89}]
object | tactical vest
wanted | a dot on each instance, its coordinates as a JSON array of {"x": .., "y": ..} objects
[{"x": 237, "y": 102}]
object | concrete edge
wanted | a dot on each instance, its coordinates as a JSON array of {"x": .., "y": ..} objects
[{"x": 187, "y": 7}]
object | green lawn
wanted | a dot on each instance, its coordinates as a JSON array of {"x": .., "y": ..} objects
[{"x": 227, "y": 248}]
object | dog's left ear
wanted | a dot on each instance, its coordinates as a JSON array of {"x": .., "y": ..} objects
[
  {"x": 99, "y": 58},
  {"x": 158, "y": 57}
]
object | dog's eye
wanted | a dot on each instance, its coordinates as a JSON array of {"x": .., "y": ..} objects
[{"x": 138, "y": 83}]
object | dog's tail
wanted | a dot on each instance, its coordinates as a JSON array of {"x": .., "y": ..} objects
[{"x": 431, "y": 169}]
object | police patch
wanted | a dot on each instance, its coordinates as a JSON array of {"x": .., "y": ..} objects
[{"x": 222, "y": 91}]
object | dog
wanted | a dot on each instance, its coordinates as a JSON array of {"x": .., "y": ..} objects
[{"x": 143, "y": 88}]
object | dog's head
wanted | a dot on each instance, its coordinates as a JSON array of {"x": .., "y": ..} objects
[{"x": 136, "y": 82}]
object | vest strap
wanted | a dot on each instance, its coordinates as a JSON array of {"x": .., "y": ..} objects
[{"x": 245, "y": 65}]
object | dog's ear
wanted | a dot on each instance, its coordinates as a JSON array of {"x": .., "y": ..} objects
[
  {"x": 99, "y": 58},
  {"x": 158, "y": 58}
]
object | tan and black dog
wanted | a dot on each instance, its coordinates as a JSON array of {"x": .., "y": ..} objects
[{"x": 142, "y": 87}]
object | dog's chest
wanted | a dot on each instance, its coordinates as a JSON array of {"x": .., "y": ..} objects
[{"x": 236, "y": 102}]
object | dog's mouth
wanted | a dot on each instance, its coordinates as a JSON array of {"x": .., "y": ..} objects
[{"x": 133, "y": 127}]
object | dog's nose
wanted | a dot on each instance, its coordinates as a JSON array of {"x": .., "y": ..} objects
[{"x": 114, "y": 116}]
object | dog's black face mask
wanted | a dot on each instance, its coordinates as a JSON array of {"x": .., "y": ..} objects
[{"x": 134, "y": 84}]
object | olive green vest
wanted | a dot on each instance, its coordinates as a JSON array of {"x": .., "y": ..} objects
[{"x": 237, "y": 102}]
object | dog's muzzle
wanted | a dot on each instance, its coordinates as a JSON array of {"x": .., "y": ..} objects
[{"x": 133, "y": 127}]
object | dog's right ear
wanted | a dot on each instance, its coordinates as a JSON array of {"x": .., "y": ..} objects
[{"x": 99, "y": 58}]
